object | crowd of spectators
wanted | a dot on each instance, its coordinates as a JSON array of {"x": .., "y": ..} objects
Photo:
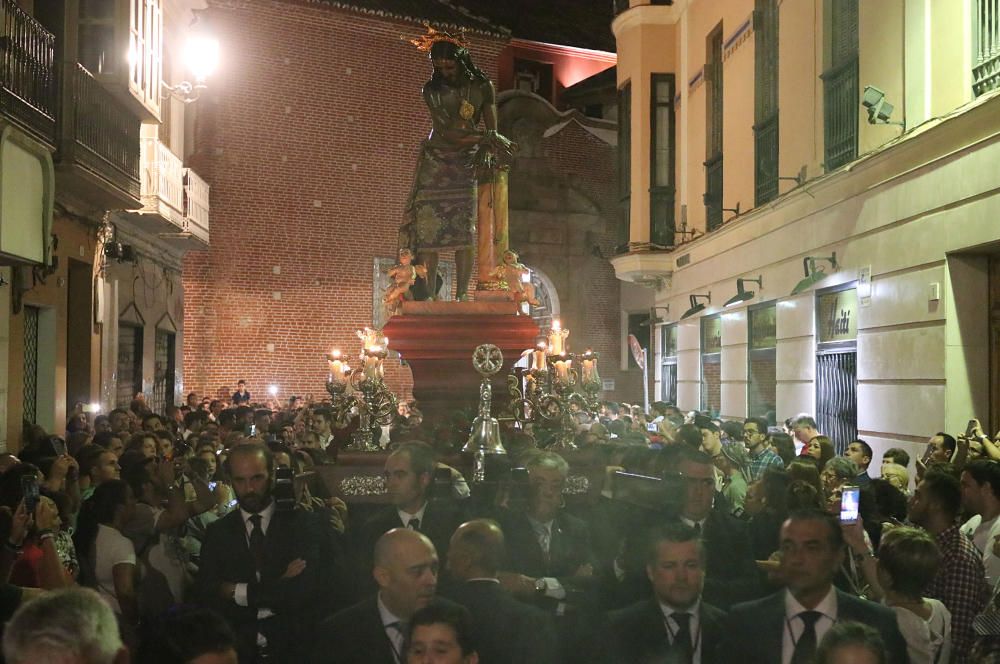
[{"x": 208, "y": 534}]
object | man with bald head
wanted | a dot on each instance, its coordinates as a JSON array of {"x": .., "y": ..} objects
[
  {"x": 507, "y": 630},
  {"x": 373, "y": 631}
]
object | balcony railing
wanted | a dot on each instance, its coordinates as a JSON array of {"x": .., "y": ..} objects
[
  {"x": 986, "y": 56},
  {"x": 27, "y": 73},
  {"x": 840, "y": 114},
  {"x": 196, "y": 205},
  {"x": 101, "y": 132},
  {"x": 162, "y": 181},
  {"x": 766, "y": 160}
]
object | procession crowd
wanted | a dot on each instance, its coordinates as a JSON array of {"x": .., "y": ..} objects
[{"x": 207, "y": 534}]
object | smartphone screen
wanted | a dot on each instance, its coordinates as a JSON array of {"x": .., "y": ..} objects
[
  {"x": 29, "y": 487},
  {"x": 651, "y": 427},
  {"x": 212, "y": 485},
  {"x": 970, "y": 428},
  {"x": 59, "y": 446},
  {"x": 849, "y": 500}
]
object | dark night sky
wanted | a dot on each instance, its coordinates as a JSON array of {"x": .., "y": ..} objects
[{"x": 584, "y": 23}]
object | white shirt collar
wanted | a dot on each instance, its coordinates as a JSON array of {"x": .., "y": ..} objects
[
  {"x": 827, "y": 606},
  {"x": 388, "y": 617},
  {"x": 406, "y": 517},
  {"x": 265, "y": 517},
  {"x": 536, "y": 524},
  {"x": 690, "y": 522},
  {"x": 491, "y": 579},
  {"x": 670, "y": 610}
]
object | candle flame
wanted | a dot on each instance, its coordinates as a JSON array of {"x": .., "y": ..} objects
[
  {"x": 556, "y": 325},
  {"x": 335, "y": 353}
]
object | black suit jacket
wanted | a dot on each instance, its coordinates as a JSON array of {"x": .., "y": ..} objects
[
  {"x": 569, "y": 547},
  {"x": 731, "y": 575},
  {"x": 755, "y": 630},
  {"x": 508, "y": 631},
  {"x": 298, "y": 603},
  {"x": 354, "y": 636},
  {"x": 441, "y": 518},
  {"x": 639, "y": 635}
]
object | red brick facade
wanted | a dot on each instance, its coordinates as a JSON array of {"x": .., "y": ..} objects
[{"x": 309, "y": 139}]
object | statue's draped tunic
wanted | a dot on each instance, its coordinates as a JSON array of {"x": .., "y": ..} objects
[{"x": 442, "y": 209}]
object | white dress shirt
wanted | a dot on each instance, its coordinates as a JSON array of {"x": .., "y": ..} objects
[
  {"x": 395, "y": 632},
  {"x": 794, "y": 625},
  {"x": 406, "y": 517},
  {"x": 694, "y": 624}
]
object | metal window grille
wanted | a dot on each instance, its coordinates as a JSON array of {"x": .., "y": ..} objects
[
  {"x": 765, "y": 101},
  {"x": 129, "y": 364},
  {"x": 837, "y": 396},
  {"x": 30, "y": 396},
  {"x": 669, "y": 381},
  {"x": 986, "y": 46},
  {"x": 840, "y": 86},
  {"x": 164, "y": 371}
]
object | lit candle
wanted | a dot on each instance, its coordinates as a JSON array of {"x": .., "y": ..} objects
[
  {"x": 373, "y": 362},
  {"x": 338, "y": 368},
  {"x": 557, "y": 338},
  {"x": 589, "y": 364},
  {"x": 538, "y": 357},
  {"x": 562, "y": 367}
]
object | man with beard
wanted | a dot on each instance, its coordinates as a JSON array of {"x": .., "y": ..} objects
[
  {"x": 268, "y": 571},
  {"x": 674, "y": 625}
]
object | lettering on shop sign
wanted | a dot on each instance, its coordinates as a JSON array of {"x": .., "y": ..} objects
[{"x": 837, "y": 316}]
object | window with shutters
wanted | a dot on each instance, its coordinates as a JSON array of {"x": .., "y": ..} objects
[
  {"x": 624, "y": 159},
  {"x": 713, "y": 132},
  {"x": 986, "y": 46},
  {"x": 121, "y": 44},
  {"x": 841, "y": 96},
  {"x": 668, "y": 364},
  {"x": 661, "y": 190},
  {"x": 765, "y": 128}
]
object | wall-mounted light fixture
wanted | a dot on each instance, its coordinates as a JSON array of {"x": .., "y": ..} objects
[
  {"x": 742, "y": 294},
  {"x": 696, "y": 306},
  {"x": 879, "y": 109},
  {"x": 655, "y": 320},
  {"x": 814, "y": 274},
  {"x": 201, "y": 58}
]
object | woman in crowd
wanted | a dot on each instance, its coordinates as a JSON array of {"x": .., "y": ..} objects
[
  {"x": 805, "y": 469},
  {"x": 783, "y": 446},
  {"x": 767, "y": 505},
  {"x": 820, "y": 448},
  {"x": 144, "y": 442},
  {"x": 107, "y": 557},
  {"x": 732, "y": 463}
]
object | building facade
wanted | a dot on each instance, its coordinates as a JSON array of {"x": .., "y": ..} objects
[
  {"x": 96, "y": 208},
  {"x": 834, "y": 156}
]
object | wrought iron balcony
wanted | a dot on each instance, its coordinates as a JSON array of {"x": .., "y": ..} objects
[
  {"x": 162, "y": 181},
  {"x": 98, "y": 144},
  {"x": 196, "y": 206},
  {"x": 840, "y": 114},
  {"x": 27, "y": 73}
]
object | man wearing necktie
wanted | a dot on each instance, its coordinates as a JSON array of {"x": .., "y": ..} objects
[
  {"x": 786, "y": 627},
  {"x": 270, "y": 572},
  {"x": 675, "y": 626}
]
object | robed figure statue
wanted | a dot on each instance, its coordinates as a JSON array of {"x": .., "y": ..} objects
[{"x": 461, "y": 176}]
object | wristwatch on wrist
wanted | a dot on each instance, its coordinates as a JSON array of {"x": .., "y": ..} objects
[{"x": 540, "y": 586}]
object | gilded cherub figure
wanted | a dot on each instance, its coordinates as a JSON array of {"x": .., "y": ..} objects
[
  {"x": 514, "y": 274},
  {"x": 402, "y": 276}
]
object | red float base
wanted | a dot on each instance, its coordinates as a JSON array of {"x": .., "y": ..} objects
[{"x": 437, "y": 339}]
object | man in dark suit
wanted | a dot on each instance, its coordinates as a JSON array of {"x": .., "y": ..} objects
[
  {"x": 374, "y": 630},
  {"x": 675, "y": 625},
  {"x": 409, "y": 473},
  {"x": 787, "y": 626},
  {"x": 730, "y": 573},
  {"x": 270, "y": 572},
  {"x": 549, "y": 559},
  {"x": 508, "y": 631}
]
